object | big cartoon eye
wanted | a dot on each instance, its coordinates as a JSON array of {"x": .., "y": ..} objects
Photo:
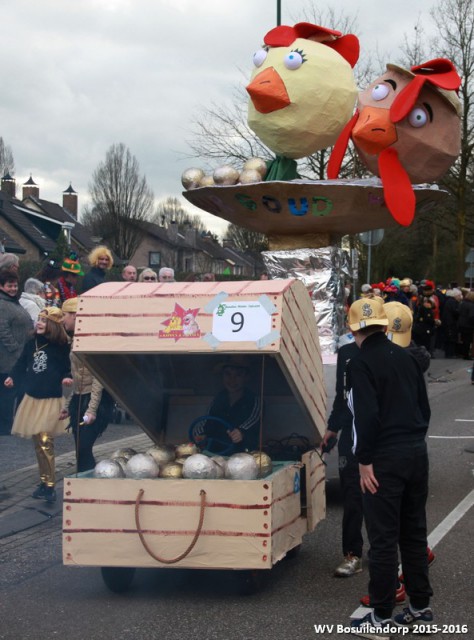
[
  {"x": 294, "y": 60},
  {"x": 259, "y": 57},
  {"x": 380, "y": 91},
  {"x": 417, "y": 117}
]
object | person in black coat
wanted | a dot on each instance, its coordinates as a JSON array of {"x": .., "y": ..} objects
[
  {"x": 391, "y": 413},
  {"x": 466, "y": 324},
  {"x": 449, "y": 322}
]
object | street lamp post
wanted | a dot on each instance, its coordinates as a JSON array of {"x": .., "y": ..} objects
[{"x": 278, "y": 13}]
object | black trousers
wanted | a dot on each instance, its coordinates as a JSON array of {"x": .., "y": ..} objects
[
  {"x": 353, "y": 515},
  {"x": 396, "y": 516},
  {"x": 86, "y": 435}
]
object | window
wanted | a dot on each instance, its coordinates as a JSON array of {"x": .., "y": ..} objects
[{"x": 154, "y": 258}]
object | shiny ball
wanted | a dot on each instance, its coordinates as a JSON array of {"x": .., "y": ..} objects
[
  {"x": 171, "y": 470},
  {"x": 226, "y": 175},
  {"x": 256, "y": 164},
  {"x": 241, "y": 466},
  {"x": 199, "y": 467},
  {"x": 264, "y": 463},
  {"x": 142, "y": 465},
  {"x": 108, "y": 469},
  {"x": 161, "y": 454},
  {"x": 249, "y": 176},
  {"x": 124, "y": 453},
  {"x": 207, "y": 181},
  {"x": 186, "y": 449},
  {"x": 191, "y": 178}
]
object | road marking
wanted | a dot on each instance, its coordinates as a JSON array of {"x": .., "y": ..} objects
[
  {"x": 435, "y": 536},
  {"x": 450, "y": 437},
  {"x": 451, "y": 519},
  {"x": 463, "y": 420}
]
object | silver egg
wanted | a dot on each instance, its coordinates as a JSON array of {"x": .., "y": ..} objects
[
  {"x": 250, "y": 176},
  {"x": 199, "y": 467},
  {"x": 124, "y": 453},
  {"x": 256, "y": 164},
  {"x": 191, "y": 178},
  {"x": 219, "y": 461},
  {"x": 142, "y": 466},
  {"x": 108, "y": 469},
  {"x": 207, "y": 181},
  {"x": 226, "y": 175},
  {"x": 161, "y": 454},
  {"x": 241, "y": 466}
]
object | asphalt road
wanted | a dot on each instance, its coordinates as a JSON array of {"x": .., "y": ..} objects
[{"x": 41, "y": 599}]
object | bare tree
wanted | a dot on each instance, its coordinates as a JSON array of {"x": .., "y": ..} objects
[
  {"x": 246, "y": 239},
  {"x": 171, "y": 210},
  {"x": 121, "y": 199},
  {"x": 7, "y": 163},
  {"x": 455, "y": 22}
]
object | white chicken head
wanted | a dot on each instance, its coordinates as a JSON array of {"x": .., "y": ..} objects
[{"x": 302, "y": 91}]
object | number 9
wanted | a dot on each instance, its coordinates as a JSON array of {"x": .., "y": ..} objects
[{"x": 237, "y": 320}]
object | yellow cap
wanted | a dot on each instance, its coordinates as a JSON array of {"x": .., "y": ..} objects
[
  {"x": 52, "y": 313},
  {"x": 70, "y": 305},
  {"x": 365, "y": 313},
  {"x": 400, "y": 321}
]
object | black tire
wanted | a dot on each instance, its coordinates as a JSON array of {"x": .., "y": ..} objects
[
  {"x": 117, "y": 579},
  {"x": 249, "y": 582},
  {"x": 294, "y": 553}
]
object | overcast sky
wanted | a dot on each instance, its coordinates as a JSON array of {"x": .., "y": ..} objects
[{"x": 79, "y": 76}]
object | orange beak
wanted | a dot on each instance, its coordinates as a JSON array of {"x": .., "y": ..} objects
[
  {"x": 374, "y": 130},
  {"x": 268, "y": 92}
]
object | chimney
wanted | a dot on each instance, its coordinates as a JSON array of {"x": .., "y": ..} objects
[
  {"x": 8, "y": 185},
  {"x": 30, "y": 188},
  {"x": 172, "y": 230},
  {"x": 70, "y": 201}
]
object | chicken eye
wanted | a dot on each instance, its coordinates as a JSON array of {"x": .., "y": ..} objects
[
  {"x": 259, "y": 57},
  {"x": 417, "y": 117},
  {"x": 380, "y": 91},
  {"x": 293, "y": 60}
]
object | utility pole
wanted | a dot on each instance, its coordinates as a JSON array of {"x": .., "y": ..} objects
[{"x": 278, "y": 13}]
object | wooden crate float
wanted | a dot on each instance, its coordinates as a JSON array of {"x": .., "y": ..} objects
[
  {"x": 247, "y": 524},
  {"x": 134, "y": 338}
]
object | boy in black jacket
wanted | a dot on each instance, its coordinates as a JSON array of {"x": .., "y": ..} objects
[{"x": 391, "y": 412}]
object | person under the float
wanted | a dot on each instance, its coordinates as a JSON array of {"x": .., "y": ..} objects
[
  {"x": 235, "y": 404},
  {"x": 89, "y": 407}
]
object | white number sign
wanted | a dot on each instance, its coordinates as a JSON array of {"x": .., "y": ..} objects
[{"x": 240, "y": 321}]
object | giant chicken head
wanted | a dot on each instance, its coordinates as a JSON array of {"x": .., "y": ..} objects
[
  {"x": 407, "y": 130},
  {"x": 302, "y": 91}
]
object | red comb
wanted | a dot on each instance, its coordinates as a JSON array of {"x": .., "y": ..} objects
[{"x": 440, "y": 73}]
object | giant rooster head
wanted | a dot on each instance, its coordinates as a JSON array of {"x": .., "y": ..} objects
[
  {"x": 302, "y": 91},
  {"x": 407, "y": 130}
]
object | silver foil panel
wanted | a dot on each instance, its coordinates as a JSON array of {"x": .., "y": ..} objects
[{"x": 323, "y": 272}]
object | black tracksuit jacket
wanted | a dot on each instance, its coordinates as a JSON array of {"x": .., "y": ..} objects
[{"x": 388, "y": 398}]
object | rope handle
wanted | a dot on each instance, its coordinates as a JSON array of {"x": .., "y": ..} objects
[{"x": 185, "y": 553}]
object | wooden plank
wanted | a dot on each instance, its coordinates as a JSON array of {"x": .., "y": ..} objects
[{"x": 315, "y": 489}]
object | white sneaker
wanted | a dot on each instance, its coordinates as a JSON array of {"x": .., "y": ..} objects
[{"x": 349, "y": 566}]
